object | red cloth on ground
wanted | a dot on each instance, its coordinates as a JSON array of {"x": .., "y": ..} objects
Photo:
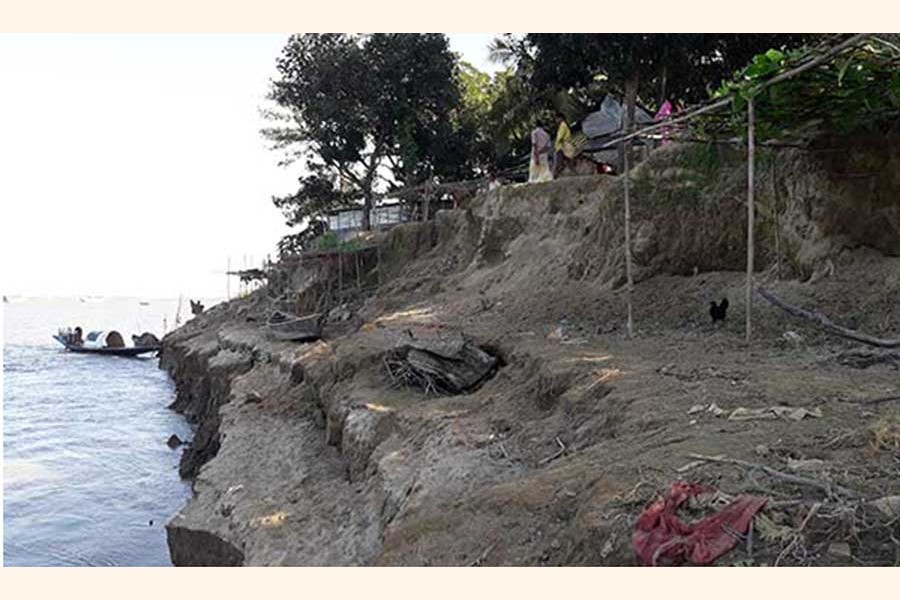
[{"x": 661, "y": 537}]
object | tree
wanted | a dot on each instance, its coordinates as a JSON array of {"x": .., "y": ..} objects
[
  {"x": 496, "y": 116},
  {"x": 368, "y": 111},
  {"x": 683, "y": 66}
]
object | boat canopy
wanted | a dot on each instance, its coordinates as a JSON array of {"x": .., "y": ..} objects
[{"x": 104, "y": 339}]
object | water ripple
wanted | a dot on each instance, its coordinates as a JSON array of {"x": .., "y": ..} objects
[{"x": 85, "y": 461}]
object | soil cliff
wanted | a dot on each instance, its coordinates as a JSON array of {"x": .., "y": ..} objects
[{"x": 313, "y": 454}]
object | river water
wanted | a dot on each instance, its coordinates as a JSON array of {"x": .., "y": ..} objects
[{"x": 87, "y": 476}]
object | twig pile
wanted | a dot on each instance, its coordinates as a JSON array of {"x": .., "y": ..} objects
[{"x": 402, "y": 374}]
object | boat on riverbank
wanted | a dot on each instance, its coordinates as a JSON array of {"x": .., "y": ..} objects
[
  {"x": 286, "y": 327},
  {"x": 104, "y": 342}
]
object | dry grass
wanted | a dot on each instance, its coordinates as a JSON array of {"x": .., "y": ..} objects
[{"x": 886, "y": 432}]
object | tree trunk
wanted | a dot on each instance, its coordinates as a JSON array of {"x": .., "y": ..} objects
[{"x": 367, "y": 212}]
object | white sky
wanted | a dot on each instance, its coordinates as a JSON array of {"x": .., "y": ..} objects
[{"x": 132, "y": 164}]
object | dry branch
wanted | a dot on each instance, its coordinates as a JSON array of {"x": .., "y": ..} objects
[
  {"x": 562, "y": 450},
  {"x": 828, "y": 487},
  {"x": 871, "y": 401},
  {"x": 826, "y": 323},
  {"x": 863, "y": 358}
]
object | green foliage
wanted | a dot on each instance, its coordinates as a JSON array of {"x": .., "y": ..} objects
[
  {"x": 315, "y": 196},
  {"x": 497, "y": 115},
  {"x": 667, "y": 65},
  {"x": 329, "y": 241},
  {"x": 295, "y": 243},
  {"x": 857, "y": 91},
  {"x": 685, "y": 179}
]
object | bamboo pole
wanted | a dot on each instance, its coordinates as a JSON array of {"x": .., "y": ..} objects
[
  {"x": 777, "y": 216},
  {"x": 629, "y": 280},
  {"x": 378, "y": 262},
  {"x": 340, "y": 258},
  {"x": 750, "y": 212}
]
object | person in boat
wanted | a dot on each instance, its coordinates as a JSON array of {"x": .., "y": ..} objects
[
  {"x": 77, "y": 338},
  {"x": 145, "y": 339}
]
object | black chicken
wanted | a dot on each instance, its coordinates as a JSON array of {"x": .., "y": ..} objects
[{"x": 717, "y": 311}]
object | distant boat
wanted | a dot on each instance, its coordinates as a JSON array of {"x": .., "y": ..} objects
[
  {"x": 144, "y": 303},
  {"x": 104, "y": 342}
]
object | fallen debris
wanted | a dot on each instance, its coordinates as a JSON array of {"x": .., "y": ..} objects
[
  {"x": 826, "y": 486},
  {"x": 480, "y": 560},
  {"x": 660, "y": 537},
  {"x": 888, "y": 505},
  {"x": 886, "y": 432},
  {"x": 839, "y": 550},
  {"x": 869, "y": 401},
  {"x": 749, "y": 414},
  {"x": 710, "y": 408},
  {"x": 694, "y": 463},
  {"x": 770, "y": 531},
  {"x": 560, "y": 452},
  {"x": 773, "y": 412},
  {"x": 863, "y": 358},
  {"x": 443, "y": 364},
  {"x": 792, "y": 337},
  {"x": 808, "y": 465},
  {"x": 174, "y": 441}
]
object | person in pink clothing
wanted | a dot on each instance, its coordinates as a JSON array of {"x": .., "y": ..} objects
[
  {"x": 541, "y": 147},
  {"x": 664, "y": 113}
]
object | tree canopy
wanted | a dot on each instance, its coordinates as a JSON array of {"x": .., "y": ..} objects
[
  {"x": 666, "y": 65},
  {"x": 367, "y": 111},
  {"x": 857, "y": 91}
]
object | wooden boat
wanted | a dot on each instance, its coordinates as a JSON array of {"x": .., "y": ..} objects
[
  {"x": 287, "y": 327},
  {"x": 104, "y": 342}
]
